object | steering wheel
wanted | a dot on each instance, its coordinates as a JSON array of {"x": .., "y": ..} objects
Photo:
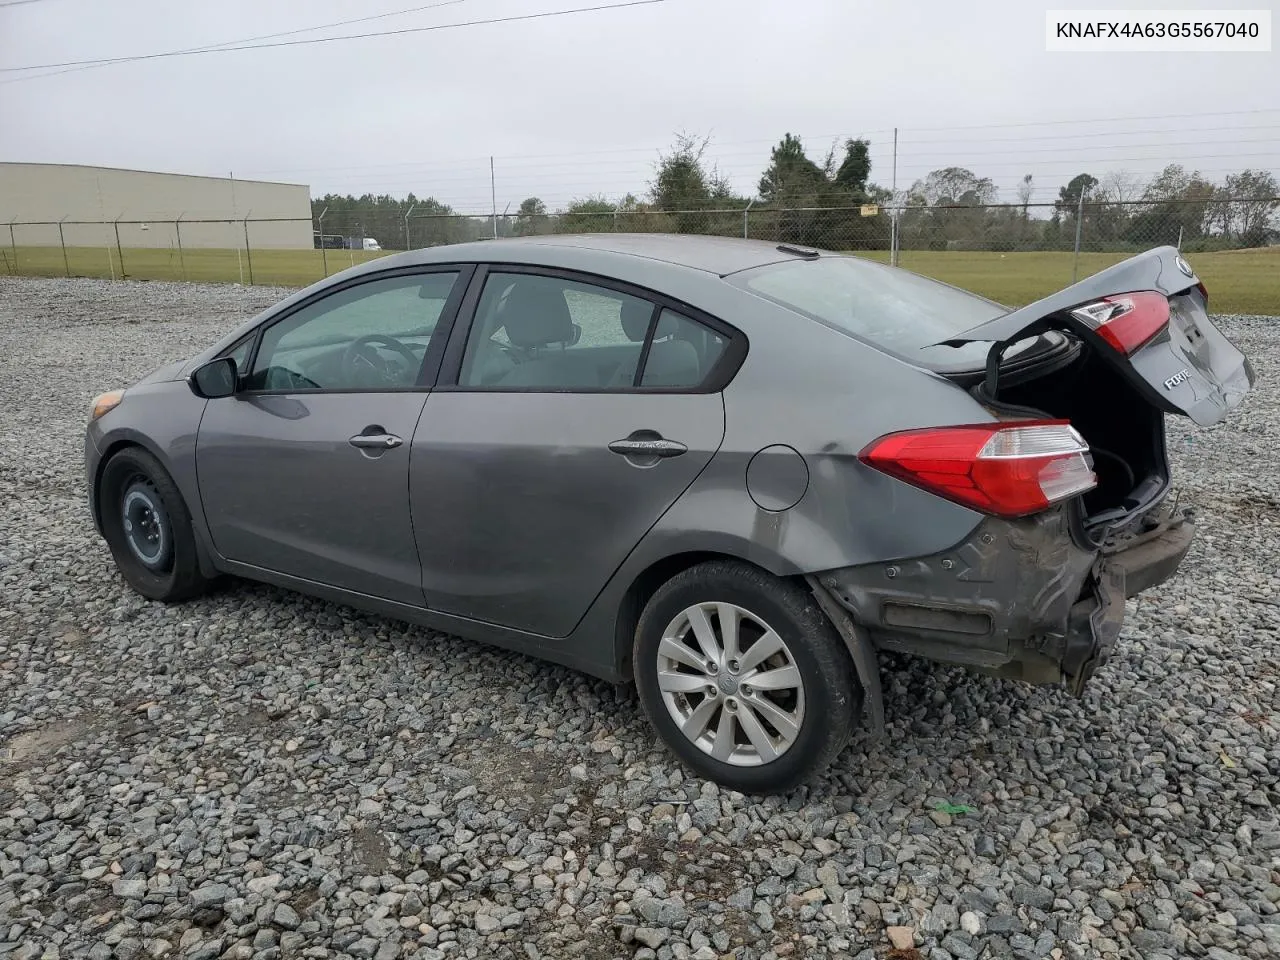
[{"x": 361, "y": 352}]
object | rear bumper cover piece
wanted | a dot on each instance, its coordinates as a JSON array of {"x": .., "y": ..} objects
[{"x": 1027, "y": 599}]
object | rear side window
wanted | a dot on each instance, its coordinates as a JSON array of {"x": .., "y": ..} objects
[
  {"x": 894, "y": 309},
  {"x": 548, "y": 333},
  {"x": 682, "y": 353}
]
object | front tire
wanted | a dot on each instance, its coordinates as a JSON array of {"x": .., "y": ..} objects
[
  {"x": 744, "y": 677},
  {"x": 147, "y": 527}
]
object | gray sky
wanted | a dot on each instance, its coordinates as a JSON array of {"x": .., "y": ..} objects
[{"x": 582, "y": 104}]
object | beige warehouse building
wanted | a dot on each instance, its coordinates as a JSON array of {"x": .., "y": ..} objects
[{"x": 93, "y": 202}]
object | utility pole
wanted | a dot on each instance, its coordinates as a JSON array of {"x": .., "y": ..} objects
[{"x": 493, "y": 197}]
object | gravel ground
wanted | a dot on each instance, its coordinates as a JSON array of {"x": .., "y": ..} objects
[{"x": 262, "y": 774}]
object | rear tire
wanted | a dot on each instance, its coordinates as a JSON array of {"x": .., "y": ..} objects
[
  {"x": 763, "y": 712},
  {"x": 148, "y": 528}
]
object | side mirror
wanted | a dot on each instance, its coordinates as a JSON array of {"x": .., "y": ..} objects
[
  {"x": 217, "y": 378},
  {"x": 576, "y": 336}
]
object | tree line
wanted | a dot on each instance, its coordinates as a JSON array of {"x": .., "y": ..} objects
[{"x": 832, "y": 202}]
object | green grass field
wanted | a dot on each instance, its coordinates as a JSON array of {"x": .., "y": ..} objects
[
  {"x": 286, "y": 268},
  {"x": 1239, "y": 281}
]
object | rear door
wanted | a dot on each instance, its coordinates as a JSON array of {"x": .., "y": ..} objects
[
  {"x": 568, "y": 418},
  {"x": 1148, "y": 316}
]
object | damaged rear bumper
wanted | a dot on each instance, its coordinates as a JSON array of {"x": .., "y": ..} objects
[{"x": 1027, "y": 599}]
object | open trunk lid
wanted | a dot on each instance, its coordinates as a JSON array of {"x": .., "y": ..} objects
[{"x": 1148, "y": 316}]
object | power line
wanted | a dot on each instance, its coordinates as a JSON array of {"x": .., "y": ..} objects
[
  {"x": 18, "y": 3},
  {"x": 549, "y": 156},
  {"x": 604, "y": 171},
  {"x": 616, "y": 178},
  {"x": 1049, "y": 123},
  {"x": 517, "y": 190},
  {"x": 1023, "y": 138},
  {"x": 522, "y": 163},
  {"x": 209, "y": 47},
  {"x": 350, "y": 36}
]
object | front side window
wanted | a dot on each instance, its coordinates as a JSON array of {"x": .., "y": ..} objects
[
  {"x": 536, "y": 332},
  {"x": 240, "y": 354},
  {"x": 367, "y": 337}
]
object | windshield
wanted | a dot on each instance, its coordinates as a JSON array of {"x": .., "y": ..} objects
[{"x": 899, "y": 311}]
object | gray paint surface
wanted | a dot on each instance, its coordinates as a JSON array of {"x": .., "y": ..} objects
[
  {"x": 1190, "y": 367},
  {"x": 777, "y": 477},
  {"x": 283, "y": 488},
  {"x": 507, "y": 518},
  {"x": 547, "y": 511}
]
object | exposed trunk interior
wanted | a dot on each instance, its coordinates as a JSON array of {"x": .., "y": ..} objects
[{"x": 1124, "y": 431}]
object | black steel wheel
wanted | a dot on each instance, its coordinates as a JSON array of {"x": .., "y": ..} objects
[{"x": 148, "y": 527}]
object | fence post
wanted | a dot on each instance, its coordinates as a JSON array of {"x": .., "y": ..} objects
[
  {"x": 62, "y": 242},
  {"x": 746, "y": 220},
  {"x": 119, "y": 249},
  {"x": 248, "y": 251},
  {"x": 893, "y": 214},
  {"x": 324, "y": 251},
  {"x": 182, "y": 257},
  {"x": 13, "y": 245},
  {"x": 408, "y": 245},
  {"x": 1075, "y": 261}
]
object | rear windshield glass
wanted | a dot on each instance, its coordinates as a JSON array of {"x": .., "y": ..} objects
[{"x": 894, "y": 309}]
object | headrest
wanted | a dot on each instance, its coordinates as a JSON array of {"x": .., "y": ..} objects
[
  {"x": 635, "y": 321},
  {"x": 635, "y": 316},
  {"x": 535, "y": 313}
]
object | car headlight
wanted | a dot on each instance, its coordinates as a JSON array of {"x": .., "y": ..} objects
[{"x": 106, "y": 402}]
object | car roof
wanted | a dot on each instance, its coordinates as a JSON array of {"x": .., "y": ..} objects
[{"x": 717, "y": 255}]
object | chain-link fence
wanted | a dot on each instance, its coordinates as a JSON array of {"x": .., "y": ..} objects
[{"x": 1050, "y": 244}]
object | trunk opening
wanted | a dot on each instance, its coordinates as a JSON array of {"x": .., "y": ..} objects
[{"x": 1124, "y": 431}]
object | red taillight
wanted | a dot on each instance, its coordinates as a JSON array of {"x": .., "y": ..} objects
[
  {"x": 1127, "y": 321},
  {"x": 1009, "y": 469}
]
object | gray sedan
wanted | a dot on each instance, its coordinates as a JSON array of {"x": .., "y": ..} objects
[{"x": 728, "y": 471}]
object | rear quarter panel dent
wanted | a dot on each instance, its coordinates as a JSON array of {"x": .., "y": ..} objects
[{"x": 828, "y": 396}]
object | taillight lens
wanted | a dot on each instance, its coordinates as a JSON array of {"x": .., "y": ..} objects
[
  {"x": 1009, "y": 469},
  {"x": 1127, "y": 321}
]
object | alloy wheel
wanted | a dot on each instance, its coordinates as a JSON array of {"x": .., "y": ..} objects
[{"x": 731, "y": 684}]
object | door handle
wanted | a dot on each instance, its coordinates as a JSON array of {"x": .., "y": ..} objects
[
  {"x": 375, "y": 441},
  {"x": 658, "y": 447}
]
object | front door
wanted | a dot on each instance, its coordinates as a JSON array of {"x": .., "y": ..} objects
[
  {"x": 305, "y": 471},
  {"x": 560, "y": 443}
]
